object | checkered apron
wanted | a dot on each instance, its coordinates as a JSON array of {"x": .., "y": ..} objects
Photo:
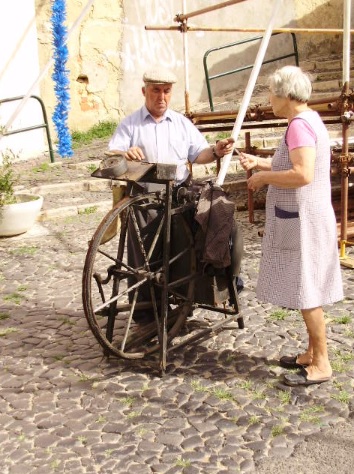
[{"x": 299, "y": 267}]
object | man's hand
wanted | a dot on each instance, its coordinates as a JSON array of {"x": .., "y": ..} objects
[
  {"x": 224, "y": 146},
  {"x": 134, "y": 154}
]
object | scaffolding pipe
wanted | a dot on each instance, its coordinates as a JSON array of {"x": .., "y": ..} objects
[
  {"x": 186, "y": 64},
  {"x": 345, "y": 129},
  {"x": 249, "y": 89},
  {"x": 44, "y": 70},
  {"x": 184, "y": 17},
  {"x": 346, "y": 41},
  {"x": 326, "y": 107},
  {"x": 334, "y": 31}
]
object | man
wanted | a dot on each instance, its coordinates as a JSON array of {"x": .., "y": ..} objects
[{"x": 157, "y": 134}]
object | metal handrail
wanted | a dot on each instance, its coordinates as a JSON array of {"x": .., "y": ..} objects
[
  {"x": 243, "y": 68},
  {"x": 33, "y": 127}
]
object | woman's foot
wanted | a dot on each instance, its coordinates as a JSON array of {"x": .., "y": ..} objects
[
  {"x": 307, "y": 377},
  {"x": 295, "y": 362},
  {"x": 315, "y": 372}
]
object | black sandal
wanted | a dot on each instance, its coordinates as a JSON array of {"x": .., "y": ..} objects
[
  {"x": 301, "y": 379},
  {"x": 289, "y": 362}
]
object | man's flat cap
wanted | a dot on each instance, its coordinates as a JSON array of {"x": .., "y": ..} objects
[{"x": 159, "y": 76}]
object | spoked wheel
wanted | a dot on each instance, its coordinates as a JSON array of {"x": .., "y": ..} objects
[{"x": 123, "y": 277}]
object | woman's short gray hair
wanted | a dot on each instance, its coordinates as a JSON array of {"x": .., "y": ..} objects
[{"x": 292, "y": 82}]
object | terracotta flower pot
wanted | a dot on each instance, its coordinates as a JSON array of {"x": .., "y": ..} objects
[{"x": 19, "y": 217}]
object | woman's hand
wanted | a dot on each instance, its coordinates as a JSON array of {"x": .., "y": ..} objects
[
  {"x": 248, "y": 162},
  {"x": 257, "y": 181}
]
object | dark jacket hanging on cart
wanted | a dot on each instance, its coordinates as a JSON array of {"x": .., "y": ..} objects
[{"x": 215, "y": 215}]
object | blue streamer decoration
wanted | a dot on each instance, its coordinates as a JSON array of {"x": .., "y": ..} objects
[{"x": 60, "y": 77}]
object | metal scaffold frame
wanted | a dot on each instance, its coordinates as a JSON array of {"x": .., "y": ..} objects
[{"x": 340, "y": 109}]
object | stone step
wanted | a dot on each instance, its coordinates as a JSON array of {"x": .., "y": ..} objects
[
  {"x": 320, "y": 64},
  {"x": 330, "y": 75},
  {"x": 326, "y": 73},
  {"x": 330, "y": 87}
]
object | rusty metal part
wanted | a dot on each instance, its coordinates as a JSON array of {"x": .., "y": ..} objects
[
  {"x": 331, "y": 109},
  {"x": 182, "y": 17},
  {"x": 336, "y": 109},
  {"x": 249, "y": 174}
]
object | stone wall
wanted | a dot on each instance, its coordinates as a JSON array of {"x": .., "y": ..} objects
[
  {"x": 111, "y": 48},
  {"x": 319, "y": 14}
]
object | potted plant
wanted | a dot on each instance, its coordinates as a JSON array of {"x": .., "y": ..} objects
[{"x": 18, "y": 210}]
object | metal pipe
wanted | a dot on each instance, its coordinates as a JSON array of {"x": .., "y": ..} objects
[
  {"x": 345, "y": 129},
  {"x": 184, "y": 17},
  {"x": 249, "y": 89},
  {"x": 346, "y": 41},
  {"x": 186, "y": 64},
  {"x": 334, "y": 31},
  {"x": 249, "y": 174},
  {"x": 335, "y": 172},
  {"x": 44, "y": 70}
]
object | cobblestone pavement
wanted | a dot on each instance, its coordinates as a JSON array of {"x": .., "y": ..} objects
[{"x": 220, "y": 408}]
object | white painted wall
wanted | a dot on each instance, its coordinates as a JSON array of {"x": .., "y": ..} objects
[{"x": 19, "y": 69}]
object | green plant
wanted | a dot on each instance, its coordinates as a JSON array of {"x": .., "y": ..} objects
[
  {"x": 68, "y": 321},
  {"x": 142, "y": 431},
  {"x": 343, "y": 356},
  {"x": 6, "y": 331},
  {"x": 222, "y": 135},
  {"x": 85, "y": 378},
  {"x": 310, "y": 415},
  {"x": 277, "y": 430},
  {"x": 254, "y": 419},
  {"x": 101, "y": 419},
  {"x": 15, "y": 298},
  {"x": 198, "y": 387},
  {"x": 258, "y": 394},
  {"x": 101, "y": 130},
  {"x": 88, "y": 210},
  {"x": 279, "y": 315},
  {"x": 91, "y": 167},
  {"x": 21, "y": 437},
  {"x": 27, "y": 250},
  {"x": 82, "y": 439},
  {"x": 222, "y": 394},
  {"x": 180, "y": 462},
  {"x": 7, "y": 181},
  {"x": 59, "y": 357},
  {"x": 133, "y": 414},
  {"x": 55, "y": 464},
  {"x": 41, "y": 168},
  {"x": 343, "y": 396},
  {"x": 284, "y": 397},
  {"x": 346, "y": 319},
  {"x": 246, "y": 385},
  {"x": 128, "y": 401},
  {"x": 339, "y": 366}
]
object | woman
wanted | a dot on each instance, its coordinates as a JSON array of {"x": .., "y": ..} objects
[{"x": 299, "y": 267}]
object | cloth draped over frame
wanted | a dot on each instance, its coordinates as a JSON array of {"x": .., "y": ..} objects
[{"x": 215, "y": 216}]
